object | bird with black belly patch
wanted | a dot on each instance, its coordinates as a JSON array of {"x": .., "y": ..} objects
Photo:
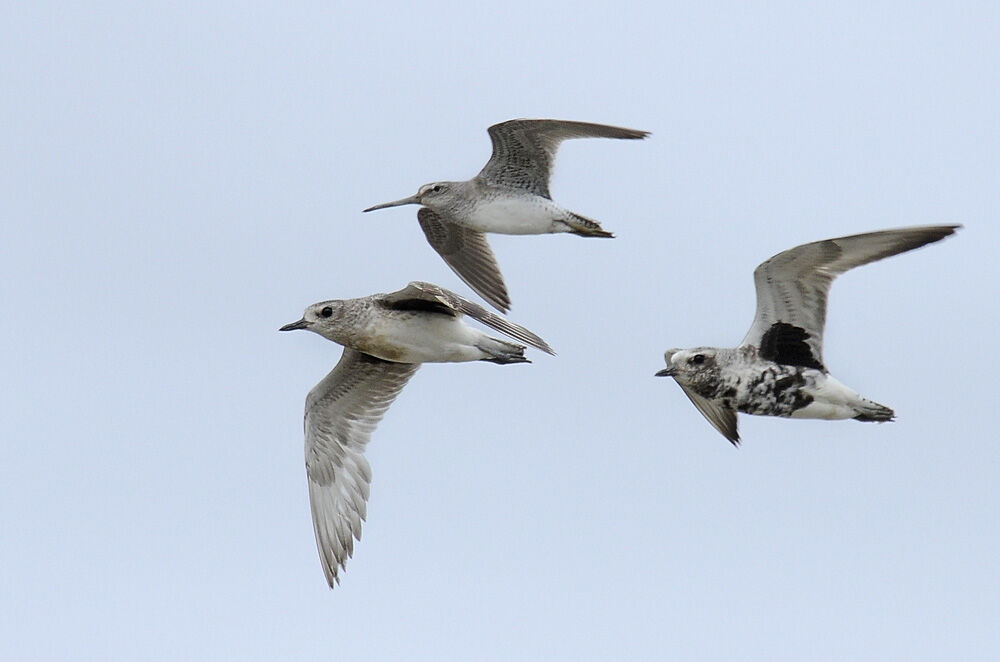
[{"x": 778, "y": 369}]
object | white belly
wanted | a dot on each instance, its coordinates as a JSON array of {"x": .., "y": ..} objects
[
  {"x": 831, "y": 400},
  {"x": 422, "y": 339},
  {"x": 516, "y": 215}
]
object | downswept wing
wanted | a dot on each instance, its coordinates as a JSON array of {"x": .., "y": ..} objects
[
  {"x": 418, "y": 291},
  {"x": 523, "y": 150},
  {"x": 792, "y": 288},
  {"x": 341, "y": 413},
  {"x": 722, "y": 418},
  {"x": 468, "y": 254}
]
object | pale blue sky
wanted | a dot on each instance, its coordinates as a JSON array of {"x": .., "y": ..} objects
[{"x": 178, "y": 180}]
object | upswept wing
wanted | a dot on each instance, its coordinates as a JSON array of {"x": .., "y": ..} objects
[
  {"x": 468, "y": 254},
  {"x": 792, "y": 286},
  {"x": 523, "y": 150},
  {"x": 341, "y": 413},
  {"x": 438, "y": 296}
]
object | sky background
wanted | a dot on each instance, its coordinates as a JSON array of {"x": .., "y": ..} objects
[{"x": 179, "y": 180}]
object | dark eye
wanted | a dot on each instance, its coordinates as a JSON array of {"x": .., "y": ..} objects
[
  {"x": 697, "y": 359},
  {"x": 436, "y": 188},
  {"x": 326, "y": 312}
]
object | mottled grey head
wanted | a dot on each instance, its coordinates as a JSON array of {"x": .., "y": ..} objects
[
  {"x": 695, "y": 368},
  {"x": 323, "y": 318},
  {"x": 439, "y": 196}
]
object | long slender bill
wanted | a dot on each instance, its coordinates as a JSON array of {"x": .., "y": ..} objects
[{"x": 412, "y": 200}]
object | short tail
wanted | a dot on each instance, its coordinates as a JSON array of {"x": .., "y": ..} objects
[
  {"x": 586, "y": 227},
  {"x": 502, "y": 352},
  {"x": 873, "y": 412}
]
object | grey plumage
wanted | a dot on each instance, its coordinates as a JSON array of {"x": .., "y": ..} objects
[
  {"x": 778, "y": 369},
  {"x": 524, "y": 150},
  {"x": 792, "y": 286},
  {"x": 510, "y": 195},
  {"x": 385, "y": 338},
  {"x": 468, "y": 254},
  {"x": 461, "y": 306},
  {"x": 341, "y": 414}
]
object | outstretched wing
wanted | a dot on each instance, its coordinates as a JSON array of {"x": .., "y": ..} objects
[
  {"x": 792, "y": 288},
  {"x": 468, "y": 254},
  {"x": 523, "y": 150},
  {"x": 419, "y": 294},
  {"x": 341, "y": 413}
]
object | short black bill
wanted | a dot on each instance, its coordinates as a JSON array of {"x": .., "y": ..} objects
[{"x": 301, "y": 324}]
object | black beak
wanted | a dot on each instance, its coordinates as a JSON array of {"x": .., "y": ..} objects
[
  {"x": 301, "y": 324},
  {"x": 666, "y": 372},
  {"x": 412, "y": 200}
]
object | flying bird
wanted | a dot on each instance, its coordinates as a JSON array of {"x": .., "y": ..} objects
[
  {"x": 385, "y": 337},
  {"x": 510, "y": 195},
  {"x": 778, "y": 369}
]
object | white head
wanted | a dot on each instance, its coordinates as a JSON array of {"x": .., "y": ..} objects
[
  {"x": 323, "y": 318},
  {"x": 696, "y": 368}
]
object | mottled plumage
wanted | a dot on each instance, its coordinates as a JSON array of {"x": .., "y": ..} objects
[
  {"x": 778, "y": 369},
  {"x": 510, "y": 195},
  {"x": 386, "y": 337}
]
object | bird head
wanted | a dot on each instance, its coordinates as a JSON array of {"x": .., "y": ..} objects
[
  {"x": 322, "y": 318},
  {"x": 695, "y": 368},
  {"x": 436, "y": 195}
]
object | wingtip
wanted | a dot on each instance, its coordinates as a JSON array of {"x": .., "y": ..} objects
[
  {"x": 630, "y": 134},
  {"x": 941, "y": 231},
  {"x": 948, "y": 230},
  {"x": 543, "y": 346},
  {"x": 540, "y": 345},
  {"x": 496, "y": 304}
]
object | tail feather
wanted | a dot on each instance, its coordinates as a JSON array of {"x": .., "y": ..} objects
[
  {"x": 873, "y": 412},
  {"x": 586, "y": 227},
  {"x": 502, "y": 352}
]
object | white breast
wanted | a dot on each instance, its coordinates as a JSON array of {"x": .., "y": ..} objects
[
  {"x": 831, "y": 400},
  {"x": 423, "y": 338},
  {"x": 528, "y": 214}
]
